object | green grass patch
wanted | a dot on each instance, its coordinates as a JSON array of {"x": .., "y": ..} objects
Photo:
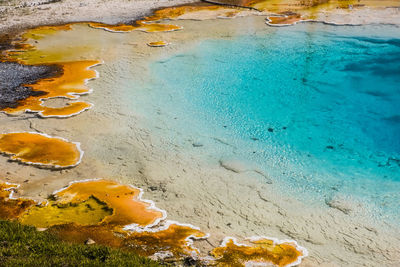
[{"x": 24, "y": 246}]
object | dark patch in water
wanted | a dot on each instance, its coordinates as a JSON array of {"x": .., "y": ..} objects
[
  {"x": 393, "y": 119},
  {"x": 13, "y": 80},
  {"x": 386, "y": 65},
  {"x": 391, "y": 162},
  {"x": 375, "y": 93},
  {"x": 394, "y": 41}
]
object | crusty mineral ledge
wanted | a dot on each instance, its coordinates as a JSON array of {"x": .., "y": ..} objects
[
  {"x": 108, "y": 213},
  {"x": 70, "y": 84},
  {"x": 116, "y": 215}
]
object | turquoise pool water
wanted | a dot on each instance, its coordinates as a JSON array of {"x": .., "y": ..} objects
[{"x": 317, "y": 107}]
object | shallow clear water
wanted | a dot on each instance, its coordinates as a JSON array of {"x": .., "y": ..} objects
[{"x": 317, "y": 107}]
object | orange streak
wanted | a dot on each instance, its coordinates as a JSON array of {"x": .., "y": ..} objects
[
  {"x": 157, "y": 44},
  {"x": 285, "y": 20},
  {"x": 113, "y": 28},
  {"x": 155, "y": 27},
  {"x": 142, "y": 26},
  {"x": 176, "y": 12},
  {"x": 32, "y": 148},
  {"x": 69, "y": 110}
]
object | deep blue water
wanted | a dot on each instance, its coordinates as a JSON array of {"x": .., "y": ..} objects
[{"x": 317, "y": 106}]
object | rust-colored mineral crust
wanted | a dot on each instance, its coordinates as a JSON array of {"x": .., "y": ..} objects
[
  {"x": 40, "y": 150},
  {"x": 11, "y": 208},
  {"x": 262, "y": 250},
  {"x": 157, "y": 44}
]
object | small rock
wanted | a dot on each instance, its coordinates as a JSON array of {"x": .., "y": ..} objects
[
  {"x": 270, "y": 130},
  {"x": 233, "y": 165},
  {"x": 162, "y": 255},
  {"x": 190, "y": 261},
  {"x": 196, "y": 144},
  {"x": 371, "y": 229},
  {"x": 267, "y": 179},
  {"x": 90, "y": 241}
]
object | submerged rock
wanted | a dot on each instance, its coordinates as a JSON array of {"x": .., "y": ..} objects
[
  {"x": 341, "y": 203},
  {"x": 197, "y": 144},
  {"x": 233, "y": 165}
]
